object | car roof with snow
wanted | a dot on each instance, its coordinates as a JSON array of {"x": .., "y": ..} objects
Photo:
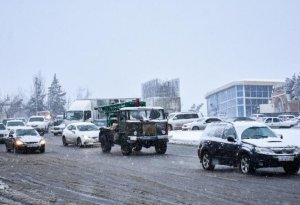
[
  {"x": 37, "y": 116},
  {"x": 14, "y": 121}
]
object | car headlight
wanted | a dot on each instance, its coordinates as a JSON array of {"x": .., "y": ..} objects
[
  {"x": 135, "y": 133},
  {"x": 43, "y": 141},
  {"x": 19, "y": 143},
  {"x": 163, "y": 132},
  {"x": 85, "y": 137},
  {"x": 263, "y": 150}
]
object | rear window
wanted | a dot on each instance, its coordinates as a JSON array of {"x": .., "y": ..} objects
[
  {"x": 36, "y": 119},
  {"x": 15, "y": 123},
  {"x": 214, "y": 130}
]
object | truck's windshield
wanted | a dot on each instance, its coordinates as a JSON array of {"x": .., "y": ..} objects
[
  {"x": 153, "y": 114},
  {"x": 74, "y": 115}
]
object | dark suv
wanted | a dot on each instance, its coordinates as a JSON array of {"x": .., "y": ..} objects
[{"x": 248, "y": 146}]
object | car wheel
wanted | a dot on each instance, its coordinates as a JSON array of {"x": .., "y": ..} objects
[
  {"x": 64, "y": 141},
  {"x": 161, "y": 148},
  {"x": 170, "y": 127},
  {"x": 195, "y": 128},
  {"x": 106, "y": 147},
  {"x": 207, "y": 162},
  {"x": 291, "y": 168},
  {"x": 245, "y": 165},
  {"x": 137, "y": 148},
  {"x": 126, "y": 149},
  {"x": 79, "y": 143}
]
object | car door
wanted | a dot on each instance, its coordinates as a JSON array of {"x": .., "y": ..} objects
[
  {"x": 218, "y": 142},
  {"x": 69, "y": 134},
  {"x": 269, "y": 122},
  {"x": 277, "y": 122},
  {"x": 229, "y": 148}
]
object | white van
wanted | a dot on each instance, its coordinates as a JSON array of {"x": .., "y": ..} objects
[{"x": 177, "y": 119}]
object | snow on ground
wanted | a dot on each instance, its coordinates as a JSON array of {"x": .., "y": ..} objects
[{"x": 292, "y": 136}]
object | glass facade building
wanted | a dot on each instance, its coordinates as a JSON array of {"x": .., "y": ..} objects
[{"x": 239, "y": 99}]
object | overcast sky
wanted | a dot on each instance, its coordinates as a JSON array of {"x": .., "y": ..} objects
[{"x": 113, "y": 46}]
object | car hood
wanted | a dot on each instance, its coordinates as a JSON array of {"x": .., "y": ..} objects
[
  {"x": 267, "y": 142},
  {"x": 30, "y": 138},
  {"x": 90, "y": 133}
]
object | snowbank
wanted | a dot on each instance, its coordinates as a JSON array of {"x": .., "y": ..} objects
[{"x": 291, "y": 136}]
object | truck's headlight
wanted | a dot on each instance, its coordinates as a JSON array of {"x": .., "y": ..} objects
[
  {"x": 135, "y": 133},
  {"x": 163, "y": 132},
  {"x": 43, "y": 141},
  {"x": 297, "y": 150},
  {"x": 19, "y": 142},
  {"x": 263, "y": 150}
]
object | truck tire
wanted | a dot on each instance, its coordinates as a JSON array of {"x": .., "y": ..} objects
[
  {"x": 126, "y": 149},
  {"x": 161, "y": 148},
  {"x": 106, "y": 146}
]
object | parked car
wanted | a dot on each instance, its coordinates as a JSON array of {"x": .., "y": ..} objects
[
  {"x": 275, "y": 122},
  {"x": 39, "y": 123},
  {"x": 58, "y": 127},
  {"x": 25, "y": 139},
  {"x": 80, "y": 134},
  {"x": 247, "y": 145},
  {"x": 200, "y": 124},
  {"x": 3, "y": 133},
  {"x": 4, "y": 121},
  {"x": 177, "y": 120},
  {"x": 11, "y": 124},
  {"x": 258, "y": 117},
  {"x": 286, "y": 117}
]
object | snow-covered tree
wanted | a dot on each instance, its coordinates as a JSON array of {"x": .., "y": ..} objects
[
  {"x": 296, "y": 88},
  {"x": 37, "y": 100},
  {"x": 15, "y": 107},
  {"x": 56, "y": 97},
  {"x": 289, "y": 85}
]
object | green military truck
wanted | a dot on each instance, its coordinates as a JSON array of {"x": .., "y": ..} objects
[{"x": 133, "y": 126}]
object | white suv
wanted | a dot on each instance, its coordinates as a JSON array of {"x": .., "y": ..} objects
[
  {"x": 178, "y": 119},
  {"x": 39, "y": 123}
]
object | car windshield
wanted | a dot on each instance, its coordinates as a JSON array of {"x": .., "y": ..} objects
[
  {"x": 57, "y": 122},
  {"x": 15, "y": 123},
  {"x": 258, "y": 133},
  {"x": 87, "y": 128},
  {"x": 36, "y": 119},
  {"x": 26, "y": 132},
  {"x": 74, "y": 115},
  {"x": 2, "y": 127},
  {"x": 153, "y": 114}
]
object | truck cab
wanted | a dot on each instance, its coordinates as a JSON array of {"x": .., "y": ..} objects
[{"x": 134, "y": 128}]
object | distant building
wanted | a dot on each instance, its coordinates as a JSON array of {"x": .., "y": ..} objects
[
  {"x": 239, "y": 98},
  {"x": 164, "y": 94}
]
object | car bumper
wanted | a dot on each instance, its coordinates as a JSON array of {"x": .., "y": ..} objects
[
  {"x": 57, "y": 131},
  {"x": 262, "y": 160},
  {"x": 91, "y": 141},
  {"x": 26, "y": 147},
  {"x": 140, "y": 139}
]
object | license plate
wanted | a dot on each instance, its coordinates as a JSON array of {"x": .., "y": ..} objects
[
  {"x": 32, "y": 145},
  {"x": 285, "y": 158}
]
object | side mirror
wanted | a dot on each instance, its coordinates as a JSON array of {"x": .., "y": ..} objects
[
  {"x": 281, "y": 136},
  {"x": 73, "y": 131},
  {"x": 231, "y": 139}
]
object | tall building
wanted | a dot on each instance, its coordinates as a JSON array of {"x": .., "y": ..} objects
[
  {"x": 164, "y": 94},
  {"x": 239, "y": 98}
]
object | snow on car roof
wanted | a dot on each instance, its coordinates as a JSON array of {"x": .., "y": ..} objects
[
  {"x": 241, "y": 126},
  {"x": 14, "y": 121}
]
